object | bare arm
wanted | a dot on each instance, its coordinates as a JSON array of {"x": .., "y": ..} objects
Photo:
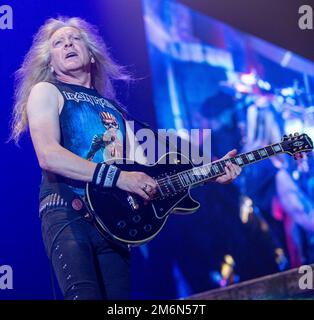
[{"x": 43, "y": 116}]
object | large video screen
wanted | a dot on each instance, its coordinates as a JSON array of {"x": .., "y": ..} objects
[{"x": 250, "y": 93}]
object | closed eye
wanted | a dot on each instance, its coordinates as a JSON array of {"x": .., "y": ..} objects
[{"x": 57, "y": 42}]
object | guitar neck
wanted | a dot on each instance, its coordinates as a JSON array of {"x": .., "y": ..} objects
[{"x": 202, "y": 174}]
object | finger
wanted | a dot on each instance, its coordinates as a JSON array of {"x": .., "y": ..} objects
[
  {"x": 143, "y": 194},
  {"x": 152, "y": 186},
  {"x": 146, "y": 191},
  {"x": 228, "y": 174},
  {"x": 149, "y": 191},
  {"x": 236, "y": 169},
  {"x": 232, "y": 170},
  {"x": 146, "y": 179},
  {"x": 232, "y": 173},
  {"x": 229, "y": 170},
  {"x": 230, "y": 154}
]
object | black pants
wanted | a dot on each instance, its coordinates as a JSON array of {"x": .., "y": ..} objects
[{"x": 87, "y": 265}]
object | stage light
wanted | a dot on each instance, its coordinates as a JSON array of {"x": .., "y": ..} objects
[
  {"x": 246, "y": 209},
  {"x": 248, "y": 78},
  {"x": 264, "y": 85},
  {"x": 287, "y": 92},
  {"x": 294, "y": 125},
  {"x": 296, "y": 175},
  {"x": 229, "y": 259}
]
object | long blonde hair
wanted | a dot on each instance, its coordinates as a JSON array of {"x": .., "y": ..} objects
[{"x": 35, "y": 67}]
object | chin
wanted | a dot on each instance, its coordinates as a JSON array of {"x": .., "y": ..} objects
[{"x": 74, "y": 66}]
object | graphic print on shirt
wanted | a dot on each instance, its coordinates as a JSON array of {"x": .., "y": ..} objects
[
  {"x": 107, "y": 141},
  {"x": 91, "y": 125}
]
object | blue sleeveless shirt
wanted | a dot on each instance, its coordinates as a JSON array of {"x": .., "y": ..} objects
[{"x": 91, "y": 127}]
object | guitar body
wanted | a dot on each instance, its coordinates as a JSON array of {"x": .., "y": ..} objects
[{"x": 126, "y": 217}]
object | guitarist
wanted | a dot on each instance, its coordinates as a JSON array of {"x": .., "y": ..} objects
[{"x": 65, "y": 95}]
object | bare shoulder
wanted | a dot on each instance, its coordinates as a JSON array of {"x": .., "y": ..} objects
[
  {"x": 43, "y": 115},
  {"x": 45, "y": 94},
  {"x": 43, "y": 101},
  {"x": 45, "y": 88}
]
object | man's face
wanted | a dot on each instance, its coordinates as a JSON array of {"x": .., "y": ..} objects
[{"x": 68, "y": 51}]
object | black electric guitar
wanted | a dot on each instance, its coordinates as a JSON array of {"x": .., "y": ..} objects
[{"x": 128, "y": 219}]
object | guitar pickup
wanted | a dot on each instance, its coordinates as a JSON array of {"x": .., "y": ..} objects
[{"x": 170, "y": 184}]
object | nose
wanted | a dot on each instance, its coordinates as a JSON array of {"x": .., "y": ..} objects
[{"x": 68, "y": 42}]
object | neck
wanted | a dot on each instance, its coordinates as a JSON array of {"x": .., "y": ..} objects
[
  {"x": 81, "y": 79},
  {"x": 198, "y": 175}
]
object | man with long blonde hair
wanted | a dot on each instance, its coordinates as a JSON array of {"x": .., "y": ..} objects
[
  {"x": 64, "y": 87},
  {"x": 65, "y": 95}
]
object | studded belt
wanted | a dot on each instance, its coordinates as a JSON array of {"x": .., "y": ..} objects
[{"x": 54, "y": 200}]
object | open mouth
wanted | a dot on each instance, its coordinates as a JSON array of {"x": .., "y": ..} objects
[{"x": 71, "y": 55}]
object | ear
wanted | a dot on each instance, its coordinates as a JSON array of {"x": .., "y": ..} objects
[{"x": 92, "y": 59}]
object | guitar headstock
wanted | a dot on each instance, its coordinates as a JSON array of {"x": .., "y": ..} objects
[{"x": 295, "y": 144}]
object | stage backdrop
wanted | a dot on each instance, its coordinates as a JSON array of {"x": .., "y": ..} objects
[{"x": 207, "y": 74}]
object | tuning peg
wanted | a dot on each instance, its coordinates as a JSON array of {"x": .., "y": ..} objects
[{"x": 296, "y": 134}]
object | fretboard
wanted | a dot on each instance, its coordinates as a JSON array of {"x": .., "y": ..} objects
[{"x": 201, "y": 174}]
